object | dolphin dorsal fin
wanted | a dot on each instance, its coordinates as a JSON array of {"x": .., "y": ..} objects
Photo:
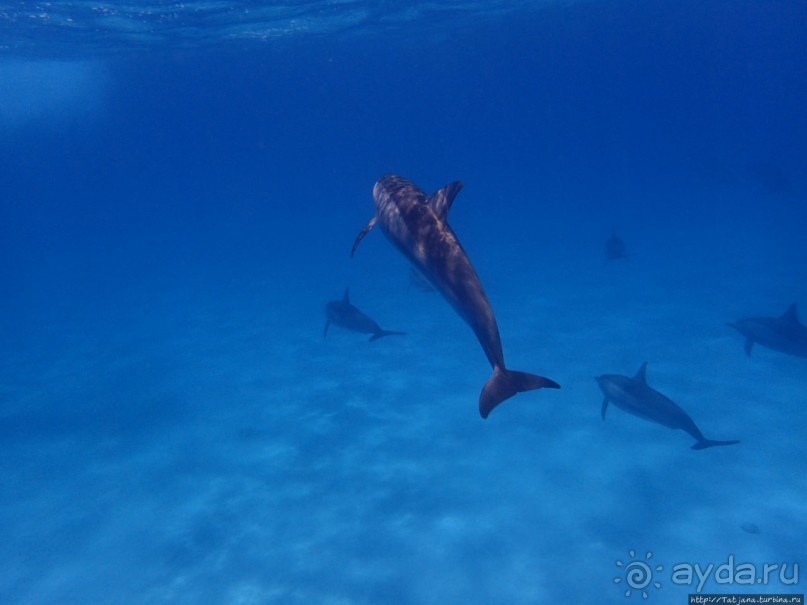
[
  {"x": 346, "y": 297},
  {"x": 791, "y": 314},
  {"x": 442, "y": 199},
  {"x": 641, "y": 374}
]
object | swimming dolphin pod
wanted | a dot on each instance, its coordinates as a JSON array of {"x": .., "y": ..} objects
[
  {"x": 636, "y": 397},
  {"x": 417, "y": 225}
]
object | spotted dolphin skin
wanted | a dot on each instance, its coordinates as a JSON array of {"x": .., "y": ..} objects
[
  {"x": 417, "y": 225},
  {"x": 785, "y": 334},
  {"x": 342, "y": 313},
  {"x": 637, "y": 398}
]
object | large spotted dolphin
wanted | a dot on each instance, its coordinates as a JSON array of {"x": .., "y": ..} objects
[{"x": 416, "y": 224}]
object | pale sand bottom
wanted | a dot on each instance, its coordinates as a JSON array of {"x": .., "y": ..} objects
[{"x": 215, "y": 449}]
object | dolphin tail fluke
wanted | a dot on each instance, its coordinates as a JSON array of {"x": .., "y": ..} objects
[
  {"x": 704, "y": 443},
  {"x": 506, "y": 383},
  {"x": 382, "y": 333}
]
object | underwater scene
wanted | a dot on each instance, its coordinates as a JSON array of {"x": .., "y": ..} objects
[{"x": 362, "y": 302}]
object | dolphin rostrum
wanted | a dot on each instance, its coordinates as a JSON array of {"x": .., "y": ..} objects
[
  {"x": 637, "y": 398},
  {"x": 342, "y": 313},
  {"x": 785, "y": 334},
  {"x": 417, "y": 225}
]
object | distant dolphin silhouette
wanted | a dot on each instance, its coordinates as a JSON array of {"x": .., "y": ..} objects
[
  {"x": 342, "y": 313},
  {"x": 637, "y": 398},
  {"x": 615, "y": 248},
  {"x": 416, "y": 224},
  {"x": 784, "y": 334}
]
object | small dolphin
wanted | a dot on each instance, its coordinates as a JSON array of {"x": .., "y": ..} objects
[
  {"x": 342, "y": 313},
  {"x": 784, "y": 334},
  {"x": 637, "y": 398},
  {"x": 417, "y": 225},
  {"x": 615, "y": 248}
]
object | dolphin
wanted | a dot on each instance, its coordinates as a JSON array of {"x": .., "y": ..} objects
[
  {"x": 615, "y": 248},
  {"x": 417, "y": 226},
  {"x": 637, "y": 398},
  {"x": 785, "y": 334},
  {"x": 342, "y": 313}
]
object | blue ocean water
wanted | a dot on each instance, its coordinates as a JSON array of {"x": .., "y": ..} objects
[{"x": 181, "y": 184}]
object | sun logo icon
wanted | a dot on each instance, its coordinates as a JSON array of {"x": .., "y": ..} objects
[{"x": 638, "y": 574}]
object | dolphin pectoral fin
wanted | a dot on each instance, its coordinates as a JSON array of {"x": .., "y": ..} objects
[
  {"x": 506, "y": 383},
  {"x": 604, "y": 407},
  {"x": 361, "y": 235},
  {"x": 325, "y": 331},
  {"x": 749, "y": 344},
  {"x": 382, "y": 333},
  {"x": 704, "y": 443}
]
